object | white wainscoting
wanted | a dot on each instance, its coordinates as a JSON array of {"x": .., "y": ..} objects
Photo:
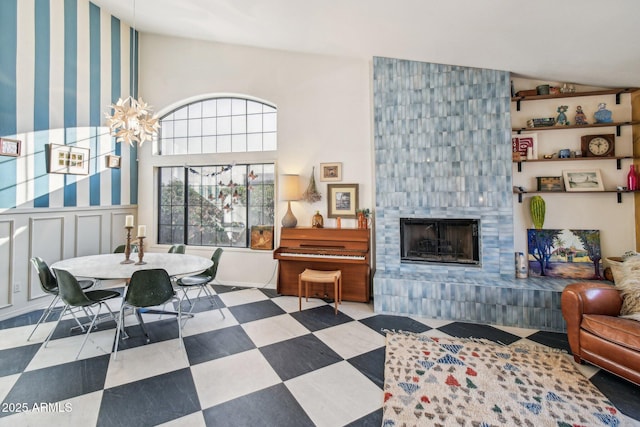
[{"x": 52, "y": 234}]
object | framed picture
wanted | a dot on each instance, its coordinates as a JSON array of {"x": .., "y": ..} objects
[
  {"x": 113, "y": 161},
  {"x": 521, "y": 143},
  {"x": 10, "y": 147},
  {"x": 569, "y": 254},
  {"x": 342, "y": 200},
  {"x": 550, "y": 183},
  {"x": 583, "y": 180},
  {"x": 68, "y": 159},
  {"x": 330, "y": 171},
  {"x": 262, "y": 237}
]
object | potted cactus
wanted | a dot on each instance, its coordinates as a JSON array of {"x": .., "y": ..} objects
[{"x": 537, "y": 207}]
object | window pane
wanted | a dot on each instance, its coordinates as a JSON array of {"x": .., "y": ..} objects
[
  {"x": 195, "y": 145},
  {"x": 254, "y": 123},
  {"x": 268, "y": 108},
  {"x": 270, "y": 122},
  {"x": 209, "y": 108},
  {"x": 269, "y": 141},
  {"x": 224, "y": 107},
  {"x": 224, "y": 144},
  {"x": 238, "y": 107},
  {"x": 224, "y": 125},
  {"x": 238, "y": 124},
  {"x": 180, "y": 146},
  {"x": 254, "y": 142},
  {"x": 195, "y": 127},
  {"x": 180, "y": 128},
  {"x": 180, "y": 113},
  {"x": 166, "y": 147},
  {"x": 209, "y": 144},
  {"x": 254, "y": 107},
  {"x": 209, "y": 126},
  {"x": 195, "y": 110},
  {"x": 166, "y": 128}
]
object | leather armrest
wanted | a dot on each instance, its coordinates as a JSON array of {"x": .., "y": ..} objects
[{"x": 587, "y": 298}]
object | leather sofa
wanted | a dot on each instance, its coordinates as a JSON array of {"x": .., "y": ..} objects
[{"x": 596, "y": 334}]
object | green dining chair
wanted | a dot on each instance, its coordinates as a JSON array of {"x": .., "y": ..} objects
[
  {"x": 49, "y": 285},
  {"x": 177, "y": 249},
  {"x": 147, "y": 288},
  {"x": 201, "y": 281},
  {"x": 77, "y": 300},
  {"x": 120, "y": 248}
]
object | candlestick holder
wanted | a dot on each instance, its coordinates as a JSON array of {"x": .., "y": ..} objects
[
  {"x": 140, "y": 251},
  {"x": 127, "y": 247}
]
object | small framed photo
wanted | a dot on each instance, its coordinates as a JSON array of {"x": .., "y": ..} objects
[
  {"x": 521, "y": 143},
  {"x": 113, "y": 161},
  {"x": 330, "y": 171},
  {"x": 262, "y": 237},
  {"x": 550, "y": 183},
  {"x": 342, "y": 200},
  {"x": 583, "y": 180},
  {"x": 10, "y": 147},
  {"x": 68, "y": 159}
]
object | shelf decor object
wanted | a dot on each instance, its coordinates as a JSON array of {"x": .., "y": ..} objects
[
  {"x": 602, "y": 145},
  {"x": 583, "y": 180},
  {"x": 537, "y": 207}
]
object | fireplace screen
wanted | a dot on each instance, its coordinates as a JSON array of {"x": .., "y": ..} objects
[{"x": 439, "y": 240}]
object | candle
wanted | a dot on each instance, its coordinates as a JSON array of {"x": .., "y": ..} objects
[
  {"x": 142, "y": 230},
  {"x": 128, "y": 221}
]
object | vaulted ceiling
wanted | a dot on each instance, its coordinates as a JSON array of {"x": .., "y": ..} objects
[{"x": 590, "y": 42}]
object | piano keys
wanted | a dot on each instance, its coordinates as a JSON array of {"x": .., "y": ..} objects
[{"x": 345, "y": 249}]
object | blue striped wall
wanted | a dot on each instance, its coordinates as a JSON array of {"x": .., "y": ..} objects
[{"x": 62, "y": 63}]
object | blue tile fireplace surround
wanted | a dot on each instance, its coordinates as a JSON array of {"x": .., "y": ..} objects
[{"x": 443, "y": 150}]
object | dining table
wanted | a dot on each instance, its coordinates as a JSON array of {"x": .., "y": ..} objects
[{"x": 111, "y": 267}]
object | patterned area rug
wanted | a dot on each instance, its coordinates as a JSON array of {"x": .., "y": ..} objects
[{"x": 462, "y": 382}]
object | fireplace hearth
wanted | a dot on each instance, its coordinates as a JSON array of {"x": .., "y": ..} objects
[{"x": 439, "y": 240}]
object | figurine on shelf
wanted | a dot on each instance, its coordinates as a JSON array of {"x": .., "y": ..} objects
[
  {"x": 581, "y": 118},
  {"x": 562, "y": 117},
  {"x": 603, "y": 115}
]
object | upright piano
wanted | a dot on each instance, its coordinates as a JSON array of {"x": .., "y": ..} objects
[{"x": 345, "y": 249}]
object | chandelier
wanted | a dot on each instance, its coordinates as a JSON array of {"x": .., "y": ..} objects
[{"x": 132, "y": 121}]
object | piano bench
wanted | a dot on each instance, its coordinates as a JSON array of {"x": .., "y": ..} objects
[{"x": 318, "y": 276}]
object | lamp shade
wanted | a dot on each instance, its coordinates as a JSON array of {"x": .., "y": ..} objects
[{"x": 289, "y": 188}]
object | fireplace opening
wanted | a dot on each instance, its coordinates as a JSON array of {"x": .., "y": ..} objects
[{"x": 429, "y": 240}]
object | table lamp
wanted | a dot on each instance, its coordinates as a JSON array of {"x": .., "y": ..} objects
[{"x": 289, "y": 191}]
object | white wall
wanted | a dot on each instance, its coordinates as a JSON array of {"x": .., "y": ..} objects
[
  {"x": 615, "y": 221},
  {"x": 324, "y": 115}
]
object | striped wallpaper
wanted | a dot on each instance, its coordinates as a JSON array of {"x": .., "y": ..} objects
[{"x": 62, "y": 63}]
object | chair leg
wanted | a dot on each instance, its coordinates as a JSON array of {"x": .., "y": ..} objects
[
  {"x": 119, "y": 327},
  {"x": 46, "y": 342},
  {"x": 141, "y": 322},
  {"x": 45, "y": 315},
  {"x": 299, "y": 293},
  {"x": 336, "y": 297},
  {"x": 213, "y": 300},
  {"x": 86, "y": 336}
]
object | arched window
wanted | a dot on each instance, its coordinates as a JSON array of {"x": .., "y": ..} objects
[
  {"x": 219, "y": 125},
  {"x": 216, "y": 204}
]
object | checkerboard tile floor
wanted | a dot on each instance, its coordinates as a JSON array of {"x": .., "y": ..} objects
[{"x": 265, "y": 363}]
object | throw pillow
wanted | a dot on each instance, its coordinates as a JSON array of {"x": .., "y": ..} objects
[{"x": 630, "y": 288}]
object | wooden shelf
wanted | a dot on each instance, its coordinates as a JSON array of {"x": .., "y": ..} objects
[
  {"x": 618, "y": 160},
  {"x": 618, "y": 192},
  {"x": 614, "y": 91},
  {"x": 594, "y": 125}
]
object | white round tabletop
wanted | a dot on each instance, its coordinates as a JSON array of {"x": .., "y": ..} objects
[{"x": 108, "y": 266}]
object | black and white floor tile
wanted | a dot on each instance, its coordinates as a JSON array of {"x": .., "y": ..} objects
[{"x": 263, "y": 364}]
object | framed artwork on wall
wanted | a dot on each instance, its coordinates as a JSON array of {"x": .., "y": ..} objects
[
  {"x": 330, "y": 171},
  {"x": 113, "y": 162},
  {"x": 342, "y": 200},
  {"x": 10, "y": 147},
  {"x": 583, "y": 180},
  {"x": 68, "y": 159},
  {"x": 262, "y": 237},
  {"x": 564, "y": 253}
]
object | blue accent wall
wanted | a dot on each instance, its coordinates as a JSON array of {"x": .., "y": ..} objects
[{"x": 65, "y": 103}]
